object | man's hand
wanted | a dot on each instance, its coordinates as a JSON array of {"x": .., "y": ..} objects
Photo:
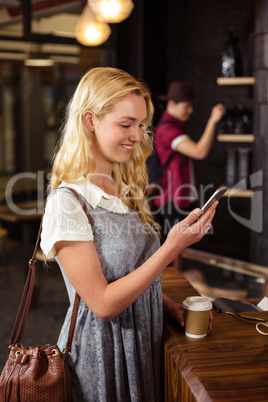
[{"x": 217, "y": 113}]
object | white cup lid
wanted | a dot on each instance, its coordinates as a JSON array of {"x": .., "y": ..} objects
[{"x": 197, "y": 303}]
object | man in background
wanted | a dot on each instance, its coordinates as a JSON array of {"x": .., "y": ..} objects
[{"x": 173, "y": 144}]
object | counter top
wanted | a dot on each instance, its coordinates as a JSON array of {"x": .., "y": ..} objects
[{"x": 230, "y": 364}]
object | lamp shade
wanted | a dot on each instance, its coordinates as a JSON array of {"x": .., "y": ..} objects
[
  {"x": 111, "y": 11},
  {"x": 37, "y": 59},
  {"x": 89, "y": 31}
]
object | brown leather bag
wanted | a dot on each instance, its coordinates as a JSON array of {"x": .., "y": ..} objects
[{"x": 38, "y": 373}]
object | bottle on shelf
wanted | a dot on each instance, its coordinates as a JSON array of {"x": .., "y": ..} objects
[
  {"x": 238, "y": 165},
  {"x": 243, "y": 164},
  {"x": 237, "y": 120},
  {"x": 231, "y": 65},
  {"x": 243, "y": 120},
  {"x": 231, "y": 167}
]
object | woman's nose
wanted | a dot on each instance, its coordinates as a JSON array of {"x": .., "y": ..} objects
[{"x": 136, "y": 135}]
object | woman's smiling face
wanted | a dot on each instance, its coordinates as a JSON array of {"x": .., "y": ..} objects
[{"x": 119, "y": 130}]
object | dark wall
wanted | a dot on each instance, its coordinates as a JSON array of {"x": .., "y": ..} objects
[
  {"x": 141, "y": 45},
  {"x": 183, "y": 40},
  {"x": 197, "y": 33},
  {"x": 259, "y": 240}
]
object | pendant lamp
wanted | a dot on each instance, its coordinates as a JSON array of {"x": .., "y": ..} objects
[
  {"x": 111, "y": 11},
  {"x": 38, "y": 60},
  {"x": 89, "y": 31}
]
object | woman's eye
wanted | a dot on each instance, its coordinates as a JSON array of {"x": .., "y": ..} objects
[
  {"x": 125, "y": 125},
  {"x": 141, "y": 125}
]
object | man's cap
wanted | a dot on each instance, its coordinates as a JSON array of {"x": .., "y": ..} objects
[{"x": 179, "y": 92}]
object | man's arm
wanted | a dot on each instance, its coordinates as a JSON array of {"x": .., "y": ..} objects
[{"x": 200, "y": 149}]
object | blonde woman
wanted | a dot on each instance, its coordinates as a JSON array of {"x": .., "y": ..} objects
[{"x": 116, "y": 265}]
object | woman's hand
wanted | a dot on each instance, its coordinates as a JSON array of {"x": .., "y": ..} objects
[
  {"x": 174, "y": 311},
  {"x": 190, "y": 230}
]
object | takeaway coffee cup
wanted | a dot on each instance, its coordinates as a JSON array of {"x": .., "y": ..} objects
[{"x": 196, "y": 316}]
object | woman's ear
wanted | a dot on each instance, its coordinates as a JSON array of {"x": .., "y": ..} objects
[{"x": 87, "y": 119}]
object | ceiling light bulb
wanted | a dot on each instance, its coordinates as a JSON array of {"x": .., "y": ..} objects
[
  {"x": 92, "y": 34},
  {"x": 111, "y": 11},
  {"x": 89, "y": 31}
]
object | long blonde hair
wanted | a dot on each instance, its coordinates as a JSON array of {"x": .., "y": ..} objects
[{"x": 99, "y": 90}]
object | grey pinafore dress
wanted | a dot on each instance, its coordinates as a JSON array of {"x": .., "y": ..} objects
[{"x": 117, "y": 360}]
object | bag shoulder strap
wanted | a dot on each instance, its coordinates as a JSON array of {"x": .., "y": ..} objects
[
  {"x": 169, "y": 159},
  {"x": 25, "y": 302},
  {"x": 82, "y": 202},
  {"x": 77, "y": 297},
  {"x": 173, "y": 153}
]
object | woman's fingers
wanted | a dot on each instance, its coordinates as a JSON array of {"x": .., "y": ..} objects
[
  {"x": 191, "y": 229},
  {"x": 210, "y": 322},
  {"x": 207, "y": 216},
  {"x": 203, "y": 224}
]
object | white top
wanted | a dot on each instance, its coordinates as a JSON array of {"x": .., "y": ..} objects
[{"x": 65, "y": 218}]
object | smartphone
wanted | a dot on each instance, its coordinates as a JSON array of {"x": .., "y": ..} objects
[{"x": 215, "y": 197}]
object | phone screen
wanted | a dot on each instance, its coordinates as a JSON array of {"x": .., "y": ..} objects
[{"x": 215, "y": 197}]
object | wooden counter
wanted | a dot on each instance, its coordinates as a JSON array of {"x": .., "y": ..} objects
[{"x": 230, "y": 364}]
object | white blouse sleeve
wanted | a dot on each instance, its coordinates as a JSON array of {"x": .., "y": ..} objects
[{"x": 64, "y": 219}]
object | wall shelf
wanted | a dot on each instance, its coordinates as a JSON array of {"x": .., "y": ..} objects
[
  {"x": 235, "y": 80},
  {"x": 238, "y": 193},
  {"x": 249, "y": 138}
]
